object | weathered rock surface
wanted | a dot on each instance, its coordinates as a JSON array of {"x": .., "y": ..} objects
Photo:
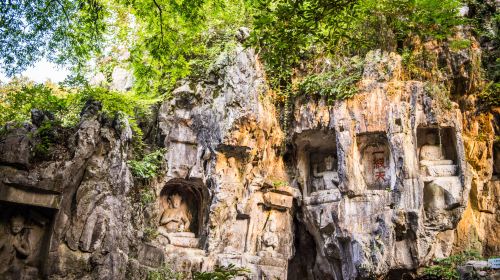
[{"x": 369, "y": 185}]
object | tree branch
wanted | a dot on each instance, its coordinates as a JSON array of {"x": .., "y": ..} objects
[{"x": 161, "y": 20}]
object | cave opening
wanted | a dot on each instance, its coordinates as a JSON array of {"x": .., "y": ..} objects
[{"x": 301, "y": 266}]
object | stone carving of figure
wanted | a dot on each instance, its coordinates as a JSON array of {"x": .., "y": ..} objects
[
  {"x": 330, "y": 176},
  {"x": 270, "y": 240},
  {"x": 14, "y": 248},
  {"x": 430, "y": 151},
  {"x": 175, "y": 217}
]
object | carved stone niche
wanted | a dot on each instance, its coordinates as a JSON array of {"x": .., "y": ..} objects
[
  {"x": 182, "y": 213},
  {"x": 437, "y": 157},
  {"x": 375, "y": 160},
  {"x": 437, "y": 153},
  {"x": 24, "y": 240},
  {"x": 317, "y": 162}
]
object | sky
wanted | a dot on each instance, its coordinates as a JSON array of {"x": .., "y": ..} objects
[{"x": 41, "y": 72}]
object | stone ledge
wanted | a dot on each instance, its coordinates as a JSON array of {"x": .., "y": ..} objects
[
  {"x": 324, "y": 196},
  {"x": 279, "y": 201},
  {"x": 16, "y": 195}
]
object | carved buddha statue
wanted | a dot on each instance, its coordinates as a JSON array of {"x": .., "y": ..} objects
[
  {"x": 430, "y": 151},
  {"x": 14, "y": 247},
  {"x": 175, "y": 217},
  {"x": 330, "y": 176},
  {"x": 270, "y": 240},
  {"x": 432, "y": 160}
]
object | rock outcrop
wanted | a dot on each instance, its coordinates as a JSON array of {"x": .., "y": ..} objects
[{"x": 367, "y": 186}]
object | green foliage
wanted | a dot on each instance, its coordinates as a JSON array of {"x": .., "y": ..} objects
[
  {"x": 490, "y": 96},
  {"x": 338, "y": 83},
  {"x": 151, "y": 234},
  {"x": 446, "y": 268},
  {"x": 175, "y": 38},
  {"x": 279, "y": 184},
  {"x": 485, "y": 19},
  {"x": 65, "y": 31},
  {"x": 46, "y": 138},
  {"x": 149, "y": 166},
  {"x": 167, "y": 39},
  {"x": 221, "y": 273},
  {"x": 20, "y": 96},
  {"x": 164, "y": 273},
  {"x": 289, "y": 31},
  {"x": 460, "y": 44},
  {"x": 147, "y": 196},
  {"x": 440, "y": 94}
]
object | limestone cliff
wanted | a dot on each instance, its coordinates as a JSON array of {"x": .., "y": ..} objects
[{"x": 375, "y": 185}]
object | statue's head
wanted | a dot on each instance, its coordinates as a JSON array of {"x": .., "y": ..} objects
[
  {"x": 431, "y": 138},
  {"x": 272, "y": 225},
  {"x": 329, "y": 162},
  {"x": 175, "y": 200},
  {"x": 16, "y": 224}
]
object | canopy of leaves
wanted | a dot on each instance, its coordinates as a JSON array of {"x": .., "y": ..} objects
[
  {"x": 289, "y": 31},
  {"x": 65, "y": 31},
  {"x": 20, "y": 96},
  {"x": 166, "y": 39}
]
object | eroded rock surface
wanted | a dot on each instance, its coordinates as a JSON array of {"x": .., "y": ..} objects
[{"x": 366, "y": 186}]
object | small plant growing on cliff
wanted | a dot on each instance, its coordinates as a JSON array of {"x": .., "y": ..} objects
[
  {"x": 149, "y": 166},
  {"x": 446, "y": 268},
  {"x": 164, "y": 273},
  {"x": 221, "y": 273},
  {"x": 150, "y": 234},
  {"x": 340, "y": 83},
  {"x": 147, "y": 197},
  {"x": 279, "y": 184}
]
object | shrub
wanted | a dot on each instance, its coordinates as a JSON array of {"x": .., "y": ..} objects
[
  {"x": 149, "y": 166},
  {"x": 164, "y": 273},
  {"x": 147, "y": 197},
  {"x": 221, "y": 273},
  {"x": 446, "y": 268},
  {"x": 338, "y": 83},
  {"x": 288, "y": 32},
  {"x": 20, "y": 96},
  {"x": 490, "y": 96},
  {"x": 150, "y": 234}
]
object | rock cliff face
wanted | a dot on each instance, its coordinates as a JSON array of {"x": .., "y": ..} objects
[{"x": 375, "y": 185}]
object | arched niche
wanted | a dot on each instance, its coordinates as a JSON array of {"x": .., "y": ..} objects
[
  {"x": 317, "y": 161},
  {"x": 437, "y": 151},
  {"x": 30, "y": 227},
  {"x": 183, "y": 207},
  {"x": 375, "y": 160}
]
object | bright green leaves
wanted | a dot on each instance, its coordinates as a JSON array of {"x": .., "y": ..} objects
[
  {"x": 338, "y": 83},
  {"x": 149, "y": 166},
  {"x": 289, "y": 32},
  {"x": 19, "y": 97},
  {"x": 65, "y": 31},
  {"x": 174, "y": 36}
]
